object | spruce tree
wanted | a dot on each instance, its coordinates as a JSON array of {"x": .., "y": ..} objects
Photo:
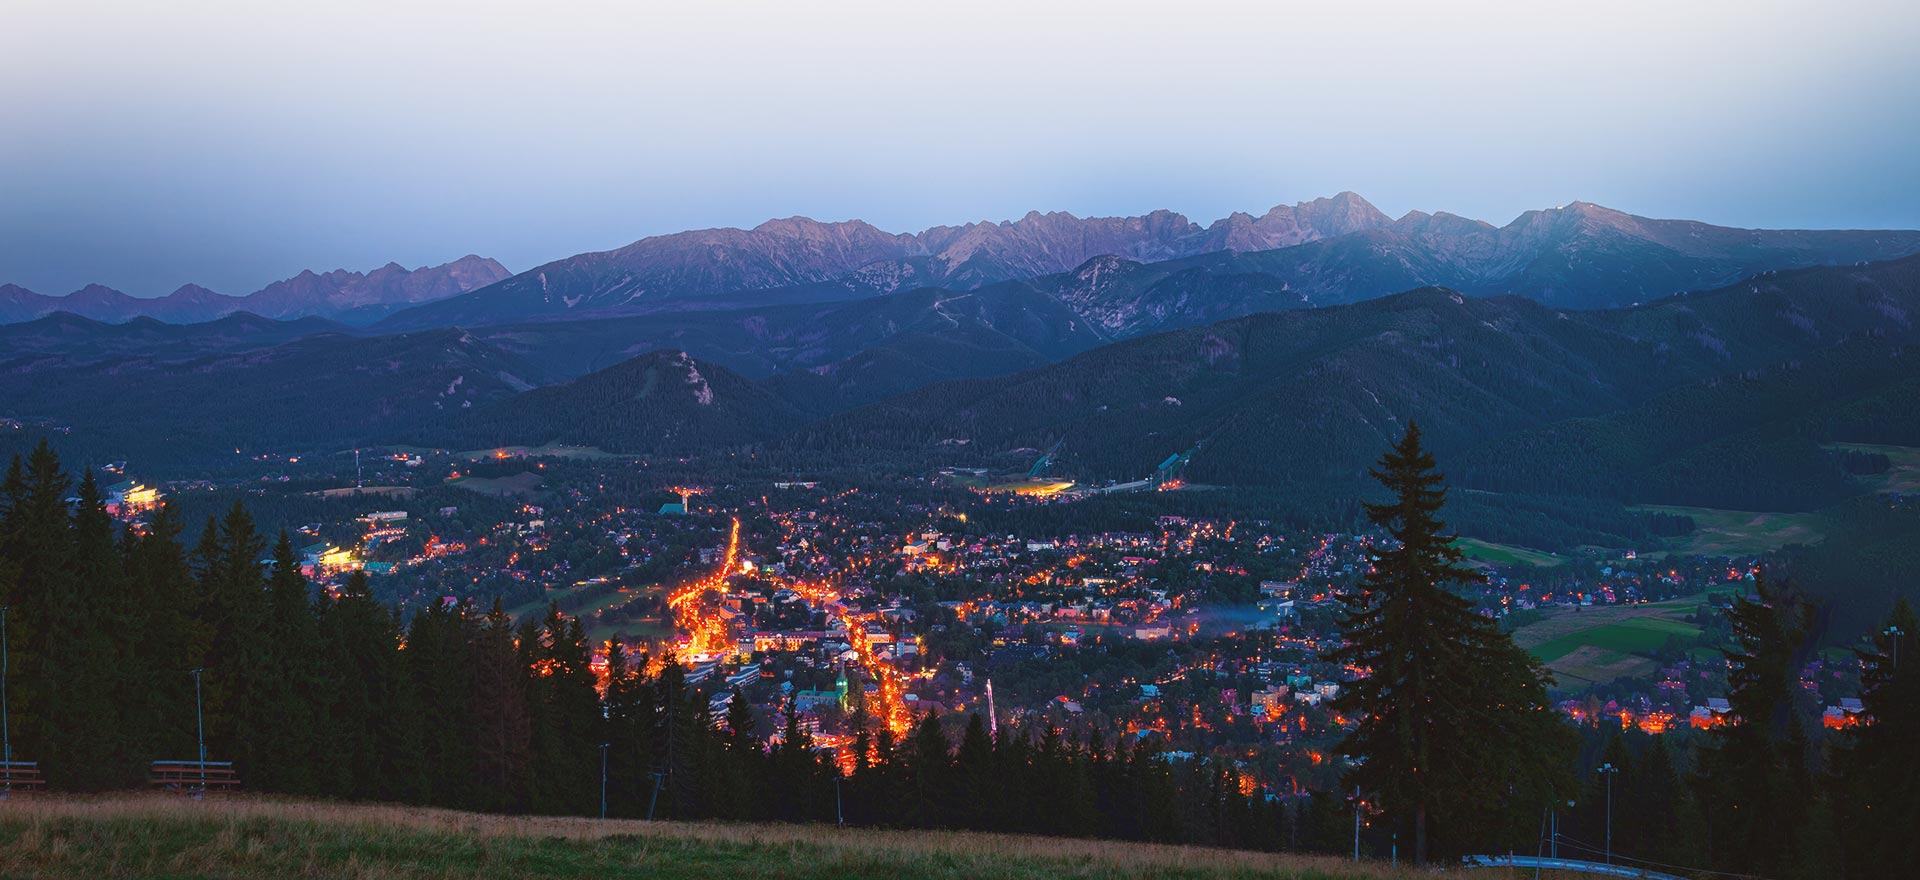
[
  {"x": 281, "y": 708},
  {"x": 974, "y": 797},
  {"x": 567, "y": 724},
  {"x": 89, "y": 661},
  {"x": 1755, "y": 775},
  {"x": 373, "y": 749},
  {"x": 928, "y": 768},
  {"x": 38, "y": 542},
  {"x": 499, "y": 726},
  {"x": 171, "y": 638},
  {"x": 1879, "y": 796},
  {"x": 1452, "y": 725}
]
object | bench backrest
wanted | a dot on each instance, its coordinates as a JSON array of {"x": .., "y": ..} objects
[
  {"x": 191, "y": 774},
  {"x": 21, "y": 776}
]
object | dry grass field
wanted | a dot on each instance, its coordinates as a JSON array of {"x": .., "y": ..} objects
[{"x": 164, "y": 836}]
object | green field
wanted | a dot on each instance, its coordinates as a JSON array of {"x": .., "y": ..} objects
[
  {"x": 1903, "y": 475},
  {"x": 162, "y": 836},
  {"x": 1638, "y": 635},
  {"x": 1603, "y": 643},
  {"x": 1743, "y": 533},
  {"x": 1489, "y": 553},
  {"x": 554, "y": 594},
  {"x": 523, "y": 483}
]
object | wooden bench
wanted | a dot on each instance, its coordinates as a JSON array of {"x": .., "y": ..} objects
[
  {"x": 193, "y": 776},
  {"x": 21, "y": 777}
]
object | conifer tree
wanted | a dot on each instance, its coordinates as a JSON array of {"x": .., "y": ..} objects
[
  {"x": 499, "y": 723},
  {"x": 927, "y": 768},
  {"x": 1453, "y": 727},
  {"x": 974, "y": 797},
  {"x": 88, "y": 661},
  {"x": 626, "y": 760},
  {"x": 373, "y": 750},
  {"x": 1879, "y": 792},
  {"x": 1754, "y": 768},
  {"x": 442, "y": 640},
  {"x": 38, "y": 541},
  {"x": 566, "y": 711},
  {"x": 233, "y": 602},
  {"x": 286, "y": 684},
  {"x": 171, "y": 638}
]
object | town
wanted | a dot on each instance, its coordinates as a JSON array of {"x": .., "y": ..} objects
[{"x": 840, "y": 600}]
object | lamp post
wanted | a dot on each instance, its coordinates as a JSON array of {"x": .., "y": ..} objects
[
  {"x": 1893, "y": 634},
  {"x": 1357, "y": 807},
  {"x": 6, "y": 730},
  {"x": 603, "y": 779},
  {"x": 200, "y": 722},
  {"x": 1553, "y": 833},
  {"x": 1609, "y": 771}
]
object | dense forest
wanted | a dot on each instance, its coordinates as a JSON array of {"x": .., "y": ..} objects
[{"x": 110, "y": 631}]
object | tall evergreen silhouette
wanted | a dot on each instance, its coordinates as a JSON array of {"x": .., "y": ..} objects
[
  {"x": 1755, "y": 773},
  {"x": 1878, "y": 773},
  {"x": 1452, "y": 718}
]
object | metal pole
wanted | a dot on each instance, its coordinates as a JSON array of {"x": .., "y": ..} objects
[
  {"x": 603, "y": 779},
  {"x": 839, "y": 815},
  {"x": 200, "y": 721},
  {"x": 1894, "y": 633},
  {"x": 6, "y": 729},
  {"x": 1356, "y": 823},
  {"x": 1608, "y": 770},
  {"x": 655, "y": 800}
]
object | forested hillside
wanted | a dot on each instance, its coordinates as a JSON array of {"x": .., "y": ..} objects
[{"x": 662, "y": 401}]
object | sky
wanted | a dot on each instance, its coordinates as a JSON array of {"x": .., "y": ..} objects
[{"x": 146, "y": 145}]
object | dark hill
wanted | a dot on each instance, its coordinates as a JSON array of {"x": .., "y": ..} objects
[
  {"x": 662, "y": 401},
  {"x": 316, "y": 393},
  {"x": 1307, "y": 397}
]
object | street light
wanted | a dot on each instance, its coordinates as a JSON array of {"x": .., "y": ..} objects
[
  {"x": 1609, "y": 771},
  {"x": 1358, "y": 805},
  {"x": 6, "y": 730},
  {"x": 1893, "y": 633},
  {"x": 1553, "y": 839},
  {"x": 603, "y": 779},
  {"x": 200, "y": 722}
]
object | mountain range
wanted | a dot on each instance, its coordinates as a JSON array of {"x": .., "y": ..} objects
[
  {"x": 1331, "y": 250},
  {"x": 354, "y": 297},
  {"x": 1119, "y": 276},
  {"x": 846, "y": 260}
]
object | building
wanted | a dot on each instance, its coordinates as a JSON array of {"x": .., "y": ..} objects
[
  {"x": 1713, "y": 714},
  {"x": 1271, "y": 701},
  {"x": 128, "y": 498}
]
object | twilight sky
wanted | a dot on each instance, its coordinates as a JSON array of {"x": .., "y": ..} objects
[{"x": 145, "y": 145}]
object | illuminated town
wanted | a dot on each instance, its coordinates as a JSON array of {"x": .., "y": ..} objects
[{"x": 887, "y": 601}]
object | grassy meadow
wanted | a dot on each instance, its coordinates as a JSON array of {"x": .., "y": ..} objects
[
  {"x": 1489, "y": 553},
  {"x": 164, "y": 836},
  {"x": 1603, "y": 643},
  {"x": 524, "y": 483},
  {"x": 1743, "y": 533}
]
